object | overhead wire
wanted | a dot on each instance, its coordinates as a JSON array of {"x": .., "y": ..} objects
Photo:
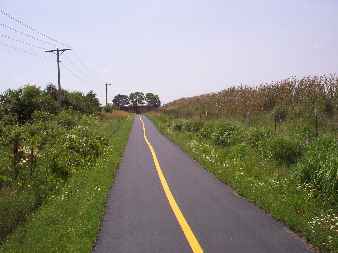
[
  {"x": 45, "y": 39},
  {"x": 72, "y": 72},
  {"x": 76, "y": 55},
  {"x": 20, "y": 22},
  {"x": 5, "y": 36},
  {"x": 72, "y": 62},
  {"x": 18, "y": 49},
  {"x": 12, "y": 29}
]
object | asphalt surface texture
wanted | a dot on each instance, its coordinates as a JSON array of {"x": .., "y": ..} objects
[{"x": 139, "y": 218}]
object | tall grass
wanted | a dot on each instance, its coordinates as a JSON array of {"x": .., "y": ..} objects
[{"x": 307, "y": 99}]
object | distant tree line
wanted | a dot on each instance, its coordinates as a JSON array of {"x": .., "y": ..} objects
[{"x": 137, "y": 101}]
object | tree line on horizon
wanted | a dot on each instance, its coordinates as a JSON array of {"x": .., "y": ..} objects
[{"x": 137, "y": 100}]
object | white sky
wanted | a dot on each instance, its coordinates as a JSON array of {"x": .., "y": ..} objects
[{"x": 172, "y": 48}]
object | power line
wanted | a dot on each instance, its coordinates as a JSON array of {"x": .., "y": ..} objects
[
  {"x": 5, "y": 36},
  {"x": 74, "y": 74},
  {"x": 76, "y": 65},
  {"x": 43, "y": 35},
  {"x": 12, "y": 29},
  {"x": 86, "y": 66},
  {"x": 20, "y": 22},
  {"x": 46, "y": 39},
  {"x": 18, "y": 49}
]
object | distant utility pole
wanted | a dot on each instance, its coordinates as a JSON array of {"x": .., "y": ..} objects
[
  {"x": 106, "y": 84},
  {"x": 58, "y": 53}
]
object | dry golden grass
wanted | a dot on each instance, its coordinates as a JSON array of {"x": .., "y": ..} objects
[
  {"x": 112, "y": 115},
  {"x": 154, "y": 113},
  {"x": 298, "y": 96}
]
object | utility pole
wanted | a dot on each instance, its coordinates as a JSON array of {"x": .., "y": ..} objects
[
  {"x": 106, "y": 84},
  {"x": 58, "y": 53}
]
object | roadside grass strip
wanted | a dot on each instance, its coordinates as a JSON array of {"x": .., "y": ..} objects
[
  {"x": 267, "y": 183},
  {"x": 69, "y": 220}
]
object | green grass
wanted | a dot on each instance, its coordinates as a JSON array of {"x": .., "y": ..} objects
[
  {"x": 268, "y": 183},
  {"x": 69, "y": 220}
]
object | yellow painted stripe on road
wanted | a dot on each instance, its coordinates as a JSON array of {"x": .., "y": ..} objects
[{"x": 189, "y": 234}]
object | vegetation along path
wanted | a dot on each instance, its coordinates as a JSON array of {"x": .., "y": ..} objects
[{"x": 163, "y": 201}]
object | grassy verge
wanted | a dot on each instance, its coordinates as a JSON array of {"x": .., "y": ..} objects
[
  {"x": 69, "y": 220},
  {"x": 268, "y": 183}
]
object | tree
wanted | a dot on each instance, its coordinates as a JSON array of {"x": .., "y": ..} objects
[
  {"x": 82, "y": 103},
  {"x": 137, "y": 98},
  {"x": 22, "y": 103},
  {"x": 153, "y": 100},
  {"x": 52, "y": 91},
  {"x": 92, "y": 101},
  {"x": 121, "y": 100}
]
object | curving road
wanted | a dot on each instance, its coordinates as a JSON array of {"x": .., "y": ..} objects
[{"x": 163, "y": 201}]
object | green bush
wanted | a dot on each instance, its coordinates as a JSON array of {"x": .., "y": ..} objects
[
  {"x": 68, "y": 119},
  {"x": 239, "y": 151},
  {"x": 14, "y": 207},
  {"x": 319, "y": 165},
  {"x": 39, "y": 156},
  {"x": 178, "y": 125},
  {"x": 193, "y": 126},
  {"x": 226, "y": 134},
  {"x": 207, "y": 130},
  {"x": 285, "y": 150},
  {"x": 257, "y": 137}
]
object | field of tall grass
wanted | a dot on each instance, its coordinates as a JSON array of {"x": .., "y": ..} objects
[{"x": 310, "y": 101}]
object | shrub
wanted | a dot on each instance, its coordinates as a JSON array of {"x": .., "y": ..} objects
[
  {"x": 73, "y": 149},
  {"x": 193, "y": 126},
  {"x": 239, "y": 151},
  {"x": 280, "y": 113},
  {"x": 227, "y": 134},
  {"x": 68, "y": 119},
  {"x": 319, "y": 165},
  {"x": 177, "y": 125},
  {"x": 207, "y": 130},
  {"x": 14, "y": 207},
  {"x": 285, "y": 150},
  {"x": 256, "y": 137}
]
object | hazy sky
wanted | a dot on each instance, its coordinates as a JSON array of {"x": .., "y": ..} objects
[{"x": 174, "y": 48}]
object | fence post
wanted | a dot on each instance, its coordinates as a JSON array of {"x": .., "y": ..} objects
[{"x": 316, "y": 123}]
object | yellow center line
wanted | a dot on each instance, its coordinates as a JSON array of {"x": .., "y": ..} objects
[{"x": 189, "y": 234}]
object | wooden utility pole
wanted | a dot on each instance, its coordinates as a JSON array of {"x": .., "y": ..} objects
[
  {"x": 106, "y": 84},
  {"x": 58, "y": 53}
]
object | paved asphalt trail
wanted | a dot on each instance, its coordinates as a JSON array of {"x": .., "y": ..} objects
[{"x": 139, "y": 218}]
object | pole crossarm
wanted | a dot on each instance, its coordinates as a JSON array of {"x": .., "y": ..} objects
[{"x": 60, "y": 50}]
